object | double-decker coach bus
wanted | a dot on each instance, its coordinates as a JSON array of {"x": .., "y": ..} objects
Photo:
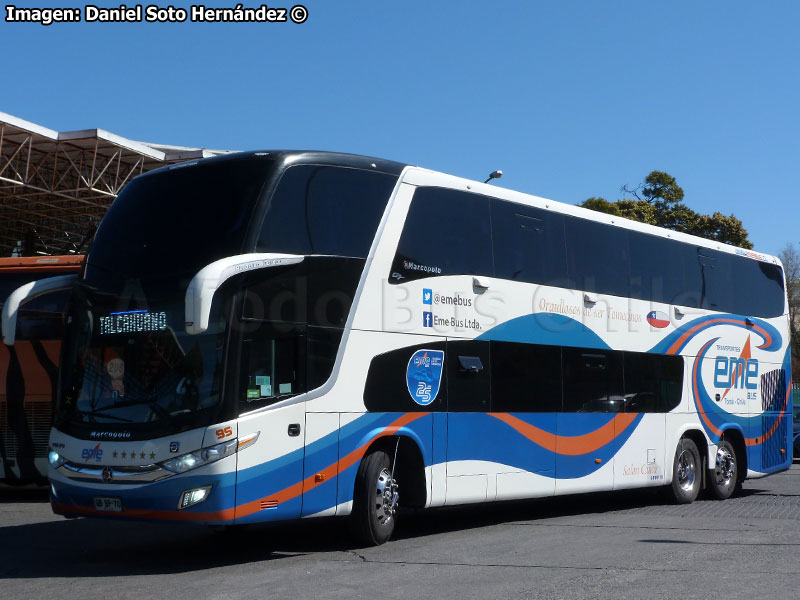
[
  {"x": 28, "y": 370},
  {"x": 277, "y": 335}
]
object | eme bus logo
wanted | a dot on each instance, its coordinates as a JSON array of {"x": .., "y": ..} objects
[
  {"x": 736, "y": 372},
  {"x": 95, "y": 453}
]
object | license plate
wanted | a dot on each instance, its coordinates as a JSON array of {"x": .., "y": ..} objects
[{"x": 108, "y": 504}]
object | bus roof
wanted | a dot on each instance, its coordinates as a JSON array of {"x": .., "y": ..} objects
[{"x": 298, "y": 157}]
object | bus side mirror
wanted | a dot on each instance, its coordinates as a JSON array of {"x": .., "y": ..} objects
[
  {"x": 26, "y": 293},
  {"x": 201, "y": 290}
]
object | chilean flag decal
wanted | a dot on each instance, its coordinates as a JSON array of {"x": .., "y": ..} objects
[{"x": 657, "y": 319}]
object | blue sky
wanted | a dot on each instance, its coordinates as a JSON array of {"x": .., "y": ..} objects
[{"x": 569, "y": 99}]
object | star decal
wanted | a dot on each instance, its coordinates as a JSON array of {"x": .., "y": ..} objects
[
  {"x": 152, "y": 455},
  {"x": 133, "y": 455},
  {"x": 124, "y": 455},
  {"x": 115, "y": 454}
]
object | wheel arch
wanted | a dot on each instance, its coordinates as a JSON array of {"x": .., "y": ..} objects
[
  {"x": 409, "y": 466},
  {"x": 700, "y": 440},
  {"x": 734, "y": 435}
]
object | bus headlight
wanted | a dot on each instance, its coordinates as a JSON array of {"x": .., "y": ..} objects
[
  {"x": 55, "y": 459},
  {"x": 192, "y": 460}
]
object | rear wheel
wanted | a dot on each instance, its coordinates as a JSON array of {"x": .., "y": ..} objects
[
  {"x": 686, "y": 472},
  {"x": 723, "y": 477},
  {"x": 374, "y": 501}
]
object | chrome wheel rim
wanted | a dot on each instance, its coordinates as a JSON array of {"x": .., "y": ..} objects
[
  {"x": 687, "y": 471},
  {"x": 725, "y": 468},
  {"x": 386, "y": 497}
]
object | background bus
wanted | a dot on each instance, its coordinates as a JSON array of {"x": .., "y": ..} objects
[
  {"x": 28, "y": 370},
  {"x": 277, "y": 335}
]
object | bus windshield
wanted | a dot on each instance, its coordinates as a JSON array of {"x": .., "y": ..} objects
[
  {"x": 139, "y": 365},
  {"x": 180, "y": 219}
]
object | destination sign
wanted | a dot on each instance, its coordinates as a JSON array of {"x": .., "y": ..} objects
[{"x": 135, "y": 321}]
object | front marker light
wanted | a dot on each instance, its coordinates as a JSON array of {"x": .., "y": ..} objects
[
  {"x": 55, "y": 459},
  {"x": 195, "y": 496},
  {"x": 247, "y": 441}
]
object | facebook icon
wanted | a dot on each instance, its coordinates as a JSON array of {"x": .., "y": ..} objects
[
  {"x": 427, "y": 296},
  {"x": 427, "y": 319}
]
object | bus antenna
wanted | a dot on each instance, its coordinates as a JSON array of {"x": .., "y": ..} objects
[{"x": 494, "y": 175}]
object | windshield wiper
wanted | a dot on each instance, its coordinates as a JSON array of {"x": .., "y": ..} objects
[
  {"x": 153, "y": 405},
  {"x": 100, "y": 413}
]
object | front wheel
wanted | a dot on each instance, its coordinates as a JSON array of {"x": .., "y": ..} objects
[
  {"x": 374, "y": 500},
  {"x": 723, "y": 477},
  {"x": 686, "y": 472}
]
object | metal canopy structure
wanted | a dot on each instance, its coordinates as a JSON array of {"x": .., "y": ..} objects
[{"x": 56, "y": 186}]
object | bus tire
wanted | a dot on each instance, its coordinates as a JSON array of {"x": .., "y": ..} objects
[
  {"x": 374, "y": 500},
  {"x": 686, "y": 472},
  {"x": 723, "y": 475}
]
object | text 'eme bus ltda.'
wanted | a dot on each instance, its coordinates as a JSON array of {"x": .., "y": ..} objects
[{"x": 277, "y": 335}]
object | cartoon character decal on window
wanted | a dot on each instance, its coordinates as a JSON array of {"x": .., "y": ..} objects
[{"x": 115, "y": 367}]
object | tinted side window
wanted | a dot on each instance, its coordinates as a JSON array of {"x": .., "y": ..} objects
[
  {"x": 323, "y": 344},
  {"x": 447, "y": 232},
  {"x": 716, "y": 291},
  {"x": 598, "y": 258},
  {"x": 593, "y": 380},
  {"x": 386, "y": 388},
  {"x": 653, "y": 382},
  {"x": 658, "y": 270},
  {"x": 273, "y": 366},
  {"x": 528, "y": 244},
  {"x": 756, "y": 275},
  {"x": 325, "y": 210},
  {"x": 318, "y": 291},
  {"x": 468, "y": 376},
  {"x": 526, "y": 377}
]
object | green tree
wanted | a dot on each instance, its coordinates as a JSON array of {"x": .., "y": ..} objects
[
  {"x": 601, "y": 205},
  {"x": 721, "y": 228},
  {"x": 638, "y": 210},
  {"x": 658, "y": 200},
  {"x": 661, "y": 190}
]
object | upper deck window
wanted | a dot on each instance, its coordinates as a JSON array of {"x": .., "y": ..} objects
[
  {"x": 450, "y": 232},
  {"x": 447, "y": 232},
  {"x": 529, "y": 244},
  {"x": 325, "y": 210}
]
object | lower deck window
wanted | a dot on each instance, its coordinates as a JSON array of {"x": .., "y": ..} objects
[{"x": 528, "y": 378}]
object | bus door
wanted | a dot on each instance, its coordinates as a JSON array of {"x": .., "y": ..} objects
[
  {"x": 270, "y": 474},
  {"x": 526, "y": 399},
  {"x": 468, "y": 444},
  {"x": 588, "y": 427}
]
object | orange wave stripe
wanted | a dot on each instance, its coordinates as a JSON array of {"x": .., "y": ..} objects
[
  {"x": 674, "y": 348},
  {"x": 569, "y": 445},
  {"x": 329, "y": 472},
  {"x": 699, "y": 404}
]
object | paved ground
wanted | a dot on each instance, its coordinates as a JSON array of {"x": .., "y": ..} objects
[{"x": 617, "y": 546}]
